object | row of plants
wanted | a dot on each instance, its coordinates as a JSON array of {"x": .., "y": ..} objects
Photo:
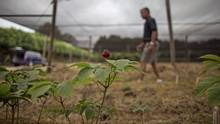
[
  {"x": 10, "y": 38},
  {"x": 126, "y": 55},
  {"x": 31, "y": 85},
  {"x": 161, "y": 56}
]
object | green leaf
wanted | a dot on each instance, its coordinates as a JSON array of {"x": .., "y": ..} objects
[
  {"x": 102, "y": 74},
  {"x": 211, "y": 57},
  {"x": 65, "y": 89},
  {"x": 4, "y": 89},
  {"x": 9, "y": 77},
  {"x": 13, "y": 96},
  {"x": 210, "y": 64},
  {"x": 41, "y": 71},
  {"x": 39, "y": 89},
  {"x": 87, "y": 108},
  {"x": 33, "y": 75},
  {"x": 90, "y": 113},
  {"x": 205, "y": 84},
  {"x": 53, "y": 89},
  {"x": 214, "y": 94},
  {"x": 81, "y": 106},
  {"x": 84, "y": 76},
  {"x": 212, "y": 83},
  {"x": 121, "y": 64},
  {"x": 3, "y": 69},
  {"x": 82, "y": 65},
  {"x": 3, "y": 72}
]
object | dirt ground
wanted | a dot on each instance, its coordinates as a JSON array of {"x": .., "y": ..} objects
[{"x": 169, "y": 102}]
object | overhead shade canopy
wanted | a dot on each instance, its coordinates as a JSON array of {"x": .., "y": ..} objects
[{"x": 82, "y": 18}]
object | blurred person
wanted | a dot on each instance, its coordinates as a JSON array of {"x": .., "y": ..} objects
[{"x": 149, "y": 45}]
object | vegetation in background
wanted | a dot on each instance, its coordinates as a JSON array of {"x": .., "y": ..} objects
[
  {"x": 10, "y": 38},
  {"x": 186, "y": 50},
  {"x": 46, "y": 29}
]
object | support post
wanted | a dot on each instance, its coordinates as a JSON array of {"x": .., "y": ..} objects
[
  {"x": 90, "y": 44},
  {"x": 216, "y": 119},
  {"x": 45, "y": 48},
  {"x": 50, "y": 53},
  {"x": 172, "y": 42},
  {"x": 187, "y": 49}
]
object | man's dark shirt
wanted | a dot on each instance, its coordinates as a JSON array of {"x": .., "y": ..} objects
[{"x": 149, "y": 26}]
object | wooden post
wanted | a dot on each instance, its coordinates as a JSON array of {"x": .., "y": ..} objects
[
  {"x": 70, "y": 57},
  {"x": 45, "y": 47},
  {"x": 90, "y": 43},
  {"x": 172, "y": 43},
  {"x": 216, "y": 119},
  {"x": 50, "y": 53},
  {"x": 187, "y": 49}
]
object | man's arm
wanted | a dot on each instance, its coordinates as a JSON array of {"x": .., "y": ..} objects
[
  {"x": 153, "y": 26},
  {"x": 154, "y": 37},
  {"x": 153, "y": 43},
  {"x": 140, "y": 46}
]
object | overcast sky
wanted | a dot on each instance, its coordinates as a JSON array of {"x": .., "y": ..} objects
[{"x": 71, "y": 12}]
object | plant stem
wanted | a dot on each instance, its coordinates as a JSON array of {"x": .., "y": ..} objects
[
  {"x": 64, "y": 108},
  {"x": 102, "y": 103},
  {"x": 43, "y": 105},
  {"x": 17, "y": 102},
  {"x": 6, "y": 116},
  {"x": 142, "y": 117},
  {"x": 82, "y": 119},
  {"x": 12, "y": 114}
]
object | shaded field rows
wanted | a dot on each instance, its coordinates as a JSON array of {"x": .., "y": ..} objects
[{"x": 167, "y": 103}]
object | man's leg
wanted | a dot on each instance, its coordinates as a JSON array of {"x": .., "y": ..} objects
[
  {"x": 154, "y": 66},
  {"x": 143, "y": 62},
  {"x": 143, "y": 67}
]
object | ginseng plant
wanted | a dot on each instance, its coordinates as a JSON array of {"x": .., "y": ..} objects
[
  {"x": 15, "y": 87},
  {"x": 103, "y": 75},
  {"x": 210, "y": 83}
]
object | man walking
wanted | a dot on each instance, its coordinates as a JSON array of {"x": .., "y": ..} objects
[{"x": 149, "y": 45}]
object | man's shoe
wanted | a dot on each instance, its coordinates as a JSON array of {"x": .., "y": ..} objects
[{"x": 159, "y": 80}]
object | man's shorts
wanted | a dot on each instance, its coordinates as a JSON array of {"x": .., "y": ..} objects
[{"x": 149, "y": 56}]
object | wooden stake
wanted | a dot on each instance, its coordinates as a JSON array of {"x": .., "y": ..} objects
[
  {"x": 216, "y": 119},
  {"x": 172, "y": 42},
  {"x": 50, "y": 53},
  {"x": 45, "y": 48}
]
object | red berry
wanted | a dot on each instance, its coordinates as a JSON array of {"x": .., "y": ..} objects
[{"x": 105, "y": 54}]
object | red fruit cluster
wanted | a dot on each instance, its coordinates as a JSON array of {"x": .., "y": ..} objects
[{"x": 105, "y": 54}]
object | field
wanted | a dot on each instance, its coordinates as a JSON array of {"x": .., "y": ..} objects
[{"x": 165, "y": 103}]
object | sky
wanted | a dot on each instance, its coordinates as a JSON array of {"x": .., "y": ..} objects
[
  {"x": 185, "y": 13},
  {"x": 8, "y": 24}
]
